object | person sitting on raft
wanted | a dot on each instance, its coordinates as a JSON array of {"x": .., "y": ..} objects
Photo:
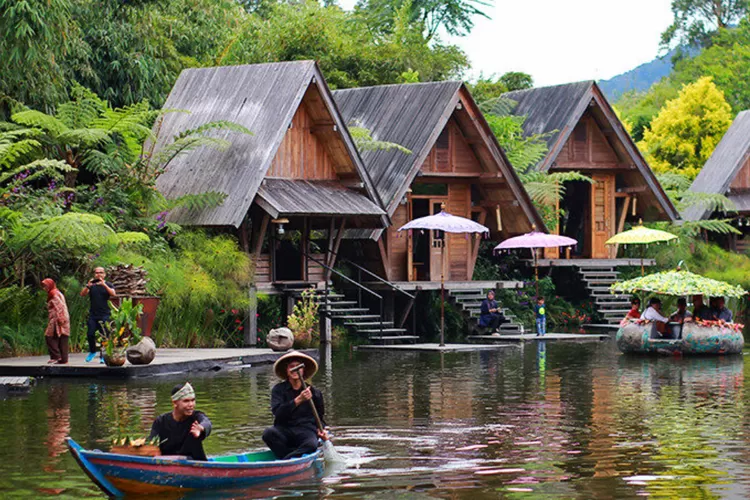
[
  {"x": 635, "y": 309},
  {"x": 295, "y": 431},
  {"x": 653, "y": 313},
  {"x": 182, "y": 430},
  {"x": 681, "y": 315},
  {"x": 700, "y": 310},
  {"x": 719, "y": 312}
]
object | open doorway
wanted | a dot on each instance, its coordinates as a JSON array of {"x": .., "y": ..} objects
[
  {"x": 575, "y": 219},
  {"x": 420, "y": 242},
  {"x": 287, "y": 259}
]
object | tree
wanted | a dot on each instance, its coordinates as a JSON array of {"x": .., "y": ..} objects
[
  {"x": 456, "y": 17},
  {"x": 639, "y": 108},
  {"x": 687, "y": 129},
  {"x": 516, "y": 80},
  {"x": 697, "y": 21}
]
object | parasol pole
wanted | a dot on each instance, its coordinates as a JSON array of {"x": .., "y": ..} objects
[
  {"x": 536, "y": 273},
  {"x": 643, "y": 251},
  {"x": 442, "y": 290}
]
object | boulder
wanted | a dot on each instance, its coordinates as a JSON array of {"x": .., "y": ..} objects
[
  {"x": 280, "y": 339},
  {"x": 142, "y": 353}
]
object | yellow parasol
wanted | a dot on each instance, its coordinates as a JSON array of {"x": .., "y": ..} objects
[{"x": 640, "y": 235}]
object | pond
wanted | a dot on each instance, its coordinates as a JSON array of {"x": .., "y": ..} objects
[{"x": 560, "y": 420}]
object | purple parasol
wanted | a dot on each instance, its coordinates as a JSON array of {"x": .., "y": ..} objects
[
  {"x": 449, "y": 224},
  {"x": 536, "y": 239},
  {"x": 446, "y": 222}
]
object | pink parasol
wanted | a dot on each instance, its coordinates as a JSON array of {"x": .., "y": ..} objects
[
  {"x": 534, "y": 240},
  {"x": 449, "y": 224}
]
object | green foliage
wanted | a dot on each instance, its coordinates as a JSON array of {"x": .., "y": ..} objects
[
  {"x": 303, "y": 322},
  {"x": 639, "y": 108},
  {"x": 697, "y": 21},
  {"x": 71, "y": 233},
  {"x": 364, "y": 141},
  {"x": 122, "y": 328},
  {"x": 685, "y": 132},
  {"x": 706, "y": 259}
]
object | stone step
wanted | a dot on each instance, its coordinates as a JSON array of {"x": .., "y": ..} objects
[
  {"x": 613, "y": 304},
  {"x": 368, "y": 324},
  {"x": 338, "y": 303},
  {"x": 598, "y": 282},
  {"x": 471, "y": 305},
  {"x": 358, "y": 316},
  {"x": 467, "y": 291},
  {"x": 384, "y": 331},
  {"x": 598, "y": 273},
  {"x": 615, "y": 312},
  {"x": 346, "y": 310},
  {"x": 463, "y": 298},
  {"x": 393, "y": 338}
]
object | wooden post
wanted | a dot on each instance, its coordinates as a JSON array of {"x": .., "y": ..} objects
[
  {"x": 335, "y": 251},
  {"x": 251, "y": 323},
  {"x": 621, "y": 222},
  {"x": 305, "y": 247}
]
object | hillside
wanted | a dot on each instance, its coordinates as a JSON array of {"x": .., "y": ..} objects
[{"x": 639, "y": 78}]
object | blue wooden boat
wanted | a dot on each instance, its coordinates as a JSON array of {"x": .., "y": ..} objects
[
  {"x": 120, "y": 475},
  {"x": 694, "y": 339}
]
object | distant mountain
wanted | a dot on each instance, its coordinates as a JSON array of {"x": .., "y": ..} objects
[{"x": 640, "y": 78}]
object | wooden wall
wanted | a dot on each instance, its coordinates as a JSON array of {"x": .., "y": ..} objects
[
  {"x": 397, "y": 246},
  {"x": 457, "y": 260},
  {"x": 302, "y": 155},
  {"x": 451, "y": 153},
  {"x": 741, "y": 181},
  {"x": 587, "y": 145}
]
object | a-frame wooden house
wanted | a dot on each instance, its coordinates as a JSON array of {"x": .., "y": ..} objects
[
  {"x": 585, "y": 135},
  {"x": 455, "y": 160},
  {"x": 298, "y": 176},
  {"x": 727, "y": 172}
]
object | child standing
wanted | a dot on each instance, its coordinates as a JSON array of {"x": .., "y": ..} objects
[{"x": 541, "y": 317}]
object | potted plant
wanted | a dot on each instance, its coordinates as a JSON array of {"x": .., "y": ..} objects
[{"x": 121, "y": 329}]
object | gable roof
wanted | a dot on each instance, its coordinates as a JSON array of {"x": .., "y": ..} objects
[
  {"x": 723, "y": 166},
  {"x": 261, "y": 97},
  {"x": 414, "y": 115},
  {"x": 557, "y": 110}
]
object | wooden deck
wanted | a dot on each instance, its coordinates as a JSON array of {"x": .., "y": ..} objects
[
  {"x": 433, "y": 347},
  {"x": 449, "y": 285},
  {"x": 530, "y": 337},
  {"x": 593, "y": 262},
  {"x": 166, "y": 361}
]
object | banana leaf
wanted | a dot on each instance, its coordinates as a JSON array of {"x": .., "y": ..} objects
[{"x": 678, "y": 283}]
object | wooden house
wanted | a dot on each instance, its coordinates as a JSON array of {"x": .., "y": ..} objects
[
  {"x": 296, "y": 178},
  {"x": 455, "y": 161},
  {"x": 727, "y": 172},
  {"x": 583, "y": 134}
]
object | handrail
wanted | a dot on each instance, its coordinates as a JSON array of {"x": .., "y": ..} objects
[
  {"x": 379, "y": 278},
  {"x": 337, "y": 273}
]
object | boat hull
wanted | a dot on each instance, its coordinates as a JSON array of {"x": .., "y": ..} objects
[
  {"x": 696, "y": 340},
  {"x": 120, "y": 475}
]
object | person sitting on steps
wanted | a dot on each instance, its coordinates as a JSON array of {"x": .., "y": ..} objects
[{"x": 490, "y": 314}]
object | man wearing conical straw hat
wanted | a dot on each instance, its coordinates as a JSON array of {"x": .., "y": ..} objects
[
  {"x": 182, "y": 430},
  {"x": 295, "y": 431}
]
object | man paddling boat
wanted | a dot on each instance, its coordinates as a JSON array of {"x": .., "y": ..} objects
[
  {"x": 295, "y": 431},
  {"x": 182, "y": 431}
]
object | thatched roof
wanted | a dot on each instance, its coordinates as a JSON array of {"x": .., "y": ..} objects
[
  {"x": 558, "y": 109},
  {"x": 722, "y": 167},
  {"x": 414, "y": 115},
  {"x": 264, "y": 99}
]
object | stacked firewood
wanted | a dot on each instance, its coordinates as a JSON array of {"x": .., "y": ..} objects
[{"x": 128, "y": 280}]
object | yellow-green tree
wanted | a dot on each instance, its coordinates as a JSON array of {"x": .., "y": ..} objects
[{"x": 687, "y": 129}]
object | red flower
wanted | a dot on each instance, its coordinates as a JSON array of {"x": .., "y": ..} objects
[
  {"x": 240, "y": 328},
  {"x": 234, "y": 311},
  {"x": 222, "y": 311},
  {"x": 238, "y": 320}
]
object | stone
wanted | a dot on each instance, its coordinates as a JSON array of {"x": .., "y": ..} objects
[
  {"x": 142, "y": 353},
  {"x": 280, "y": 339}
]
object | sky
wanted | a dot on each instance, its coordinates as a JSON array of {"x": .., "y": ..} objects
[{"x": 563, "y": 41}]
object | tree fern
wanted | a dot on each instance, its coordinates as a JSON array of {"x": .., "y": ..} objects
[
  {"x": 365, "y": 142},
  {"x": 52, "y": 169},
  {"x": 71, "y": 233},
  {"x": 713, "y": 202},
  {"x": 43, "y": 121},
  {"x": 209, "y": 199},
  {"x": 720, "y": 226}
]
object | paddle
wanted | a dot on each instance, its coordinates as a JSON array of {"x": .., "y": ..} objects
[{"x": 329, "y": 452}]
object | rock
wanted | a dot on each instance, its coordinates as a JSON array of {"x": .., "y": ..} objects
[
  {"x": 280, "y": 339},
  {"x": 142, "y": 353}
]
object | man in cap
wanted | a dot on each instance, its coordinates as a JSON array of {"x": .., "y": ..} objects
[
  {"x": 182, "y": 431},
  {"x": 295, "y": 431}
]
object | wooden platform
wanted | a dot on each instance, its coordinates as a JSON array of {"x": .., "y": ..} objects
[
  {"x": 602, "y": 326},
  {"x": 13, "y": 386},
  {"x": 167, "y": 361},
  {"x": 530, "y": 337},
  {"x": 583, "y": 263},
  {"x": 449, "y": 285},
  {"x": 432, "y": 347}
]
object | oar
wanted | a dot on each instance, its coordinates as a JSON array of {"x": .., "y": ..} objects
[{"x": 329, "y": 452}]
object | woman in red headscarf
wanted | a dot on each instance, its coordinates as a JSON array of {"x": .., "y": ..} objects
[{"x": 58, "y": 328}]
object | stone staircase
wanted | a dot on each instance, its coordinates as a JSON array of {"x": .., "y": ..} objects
[
  {"x": 359, "y": 319},
  {"x": 470, "y": 301},
  {"x": 597, "y": 281}
]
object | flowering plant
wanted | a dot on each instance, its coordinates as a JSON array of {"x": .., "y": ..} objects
[{"x": 122, "y": 328}]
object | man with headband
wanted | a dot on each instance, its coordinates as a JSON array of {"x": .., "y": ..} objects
[
  {"x": 182, "y": 431},
  {"x": 295, "y": 431}
]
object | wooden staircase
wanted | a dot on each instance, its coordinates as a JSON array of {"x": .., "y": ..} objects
[
  {"x": 597, "y": 281},
  {"x": 470, "y": 302}
]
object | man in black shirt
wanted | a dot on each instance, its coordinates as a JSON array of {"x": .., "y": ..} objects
[
  {"x": 182, "y": 431},
  {"x": 295, "y": 431},
  {"x": 99, "y": 292}
]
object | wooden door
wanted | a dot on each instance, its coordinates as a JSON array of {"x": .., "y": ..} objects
[
  {"x": 410, "y": 274},
  {"x": 437, "y": 240},
  {"x": 602, "y": 214}
]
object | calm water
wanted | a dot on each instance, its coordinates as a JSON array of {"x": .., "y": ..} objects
[{"x": 569, "y": 421}]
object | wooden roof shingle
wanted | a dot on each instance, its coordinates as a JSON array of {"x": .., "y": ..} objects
[
  {"x": 722, "y": 167},
  {"x": 280, "y": 197},
  {"x": 261, "y": 97},
  {"x": 557, "y": 109}
]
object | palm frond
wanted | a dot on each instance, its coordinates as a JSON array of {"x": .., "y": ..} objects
[
  {"x": 186, "y": 144},
  {"x": 215, "y": 125},
  {"x": 674, "y": 181},
  {"x": 34, "y": 118},
  {"x": 53, "y": 169},
  {"x": 719, "y": 226},
  {"x": 12, "y": 152},
  {"x": 84, "y": 108},
  {"x": 569, "y": 177},
  {"x": 713, "y": 202},
  {"x": 87, "y": 137},
  {"x": 364, "y": 141},
  {"x": 72, "y": 233}
]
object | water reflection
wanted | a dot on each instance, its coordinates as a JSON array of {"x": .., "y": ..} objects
[{"x": 548, "y": 419}]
